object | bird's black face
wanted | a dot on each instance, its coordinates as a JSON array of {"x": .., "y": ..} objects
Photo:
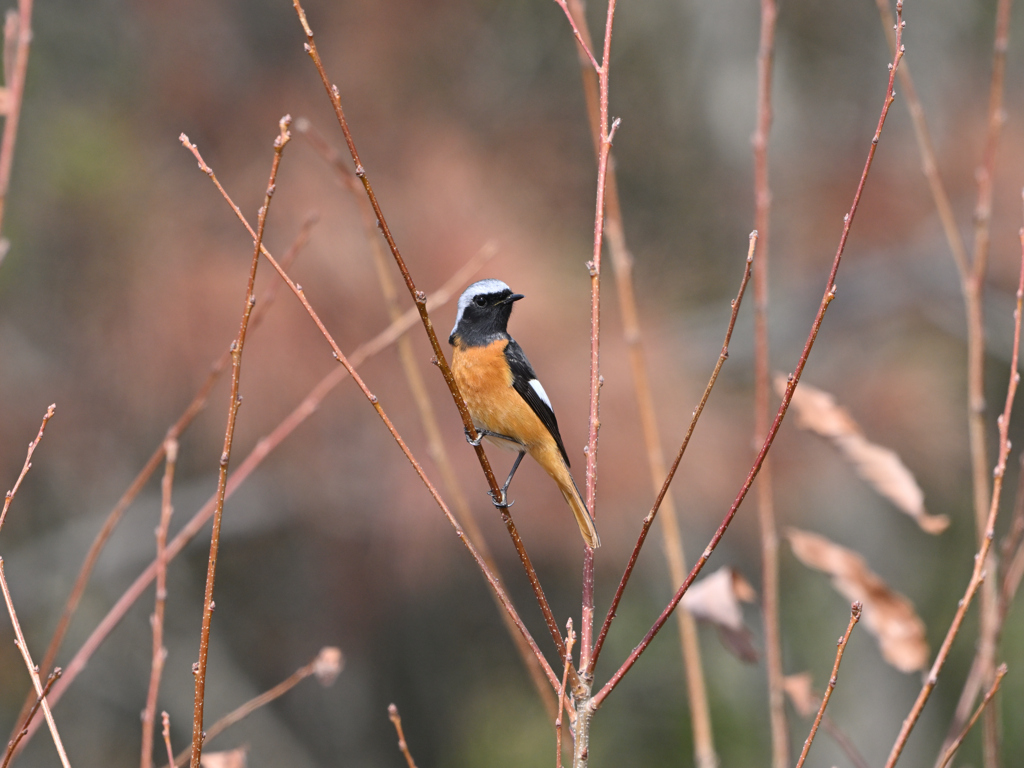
[{"x": 484, "y": 310}]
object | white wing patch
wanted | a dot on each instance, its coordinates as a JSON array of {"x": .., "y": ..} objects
[
  {"x": 482, "y": 287},
  {"x": 541, "y": 393}
]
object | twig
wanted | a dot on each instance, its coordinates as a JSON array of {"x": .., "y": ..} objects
[
  {"x": 22, "y": 729},
  {"x": 663, "y": 492},
  {"x": 570, "y": 639},
  {"x": 229, "y": 435},
  {"x": 762, "y": 392},
  {"x": 167, "y": 737},
  {"x": 435, "y": 443},
  {"x": 341, "y": 358},
  {"x": 396, "y": 720},
  {"x": 607, "y": 133},
  {"x": 420, "y": 299},
  {"x": 28, "y": 463},
  {"x": 33, "y": 671},
  {"x": 948, "y": 754},
  {"x": 326, "y": 666},
  {"x": 844, "y": 743},
  {"x": 855, "y": 611},
  {"x": 157, "y": 619},
  {"x": 264, "y": 447},
  {"x": 193, "y": 409},
  {"x": 15, "y": 82},
  {"x": 583, "y": 38},
  {"x": 622, "y": 264},
  {"x": 981, "y": 558},
  {"x": 929, "y": 165},
  {"x": 794, "y": 379}
]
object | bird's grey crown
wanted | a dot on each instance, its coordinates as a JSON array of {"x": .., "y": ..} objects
[{"x": 480, "y": 288}]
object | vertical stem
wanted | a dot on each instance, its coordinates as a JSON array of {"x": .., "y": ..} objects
[
  {"x": 622, "y": 263},
  {"x": 229, "y": 435},
  {"x": 15, "y": 81},
  {"x": 607, "y": 134},
  {"x": 762, "y": 389},
  {"x": 157, "y": 619}
]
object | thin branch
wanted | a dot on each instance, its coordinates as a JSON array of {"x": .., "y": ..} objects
[
  {"x": 157, "y": 619},
  {"x": 570, "y": 639},
  {"x": 33, "y": 671},
  {"x": 929, "y": 164},
  {"x": 583, "y": 38},
  {"x": 663, "y": 492},
  {"x": 420, "y": 299},
  {"x": 794, "y": 379},
  {"x": 15, "y": 82},
  {"x": 340, "y": 357},
  {"x": 762, "y": 393},
  {"x": 607, "y": 133},
  {"x": 396, "y": 720},
  {"x": 264, "y": 447},
  {"x": 981, "y": 558},
  {"x": 622, "y": 264},
  {"x": 417, "y": 386},
  {"x": 28, "y": 463},
  {"x": 22, "y": 729},
  {"x": 855, "y": 611},
  {"x": 229, "y": 436},
  {"x": 948, "y": 754},
  {"x": 326, "y": 666},
  {"x": 193, "y": 409},
  {"x": 167, "y": 737}
]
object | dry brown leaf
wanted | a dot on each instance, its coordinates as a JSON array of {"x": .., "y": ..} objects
[
  {"x": 232, "y": 758},
  {"x": 817, "y": 411},
  {"x": 327, "y": 665},
  {"x": 800, "y": 690},
  {"x": 887, "y": 614},
  {"x": 716, "y": 599}
]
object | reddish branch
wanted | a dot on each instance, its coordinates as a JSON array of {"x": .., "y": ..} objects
[
  {"x": 229, "y": 436},
  {"x": 16, "y": 66},
  {"x": 420, "y": 299},
  {"x": 264, "y": 447},
  {"x": 762, "y": 390},
  {"x": 978, "y": 575},
  {"x": 662, "y": 494},
  {"x": 794, "y": 379},
  {"x": 135, "y": 487},
  {"x": 855, "y": 611}
]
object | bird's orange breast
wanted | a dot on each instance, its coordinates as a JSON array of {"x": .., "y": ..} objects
[{"x": 485, "y": 380}]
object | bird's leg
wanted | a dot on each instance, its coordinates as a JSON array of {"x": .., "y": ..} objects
[
  {"x": 482, "y": 433},
  {"x": 504, "y": 499}
]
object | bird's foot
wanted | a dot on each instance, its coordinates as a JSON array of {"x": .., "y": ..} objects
[
  {"x": 502, "y": 502},
  {"x": 479, "y": 438}
]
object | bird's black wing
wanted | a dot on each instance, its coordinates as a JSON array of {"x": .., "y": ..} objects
[{"x": 523, "y": 379}]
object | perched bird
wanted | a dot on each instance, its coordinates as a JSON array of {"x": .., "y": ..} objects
[{"x": 506, "y": 401}]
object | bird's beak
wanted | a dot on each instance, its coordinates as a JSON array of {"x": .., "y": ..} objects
[{"x": 513, "y": 297}]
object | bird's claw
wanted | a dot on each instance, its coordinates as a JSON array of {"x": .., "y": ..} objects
[
  {"x": 503, "y": 502},
  {"x": 479, "y": 438}
]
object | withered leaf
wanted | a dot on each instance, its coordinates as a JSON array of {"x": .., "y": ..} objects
[
  {"x": 887, "y": 614},
  {"x": 817, "y": 411},
  {"x": 800, "y": 690},
  {"x": 716, "y": 600}
]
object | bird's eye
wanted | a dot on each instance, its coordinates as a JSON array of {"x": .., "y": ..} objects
[{"x": 480, "y": 301}]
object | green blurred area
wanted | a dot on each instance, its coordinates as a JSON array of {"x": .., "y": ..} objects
[{"x": 125, "y": 280}]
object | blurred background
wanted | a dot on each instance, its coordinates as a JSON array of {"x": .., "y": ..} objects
[{"x": 125, "y": 280}]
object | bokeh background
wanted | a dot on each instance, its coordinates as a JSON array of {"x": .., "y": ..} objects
[{"x": 125, "y": 280}]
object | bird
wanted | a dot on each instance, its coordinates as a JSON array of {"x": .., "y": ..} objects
[{"x": 507, "y": 403}]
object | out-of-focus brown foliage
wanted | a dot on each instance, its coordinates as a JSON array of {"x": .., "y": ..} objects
[
  {"x": 716, "y": 599},
  {"x": 818, "y": 412},
  {"x": 888, "y": 615}
]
